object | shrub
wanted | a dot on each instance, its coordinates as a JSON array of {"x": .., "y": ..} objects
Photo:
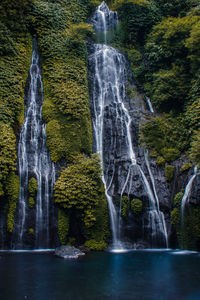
[
  {"x": 177, "y": 199},
  {"x": 160, "y": 160},
  {"x": 170, "y": 154},
  {"x": 12, "y": 191},
  {"x": 185, "y": 167},
  {"x": 136, "y": 206},
  {"x": 63, "y": 226},
  {"x": 79, "y": 187},
  {"x": 96, "y": 245},
  {"x": 169, "y": 172},
  {"x": 124, "y": 206}
]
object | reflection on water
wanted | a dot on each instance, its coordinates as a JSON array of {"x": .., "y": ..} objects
[{"x": 142, "y": 275}]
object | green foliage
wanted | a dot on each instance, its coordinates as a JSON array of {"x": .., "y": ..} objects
[
  {"x": 195, "y": 148},
  {"x": 173, "y": 7},
  {"x": 165, "y": 135},
  {"x": 137, "y": 17},
  {"x": 169, "y": 90},
  {"x": 78, "y": 32},
  {"x": 124, "y": 206},
  {"x": 66, "y": 104},
  {"x": 79, "y": 191},
  {"x": 32, "y": 189},
  {"x": 170, "y": 67},
  {"x": 12, "y": 192},
  {"x": 32, "y": 186},
  {"x": 177, "y": 199},
  {"x": 185, "y": 167},
  {"x": 15, "y": 52},
  {"x": 63, "y": 226},
  {"x": 96, "y": 245},
  {"x": 31, "y": 202},
  {"x": 136, "y": 206},
  {"x": 31, "y": 231},
  {"x": 187, "y": 230},
  {"x": 7, "y": 150},
  {"x": 100, "y": 230},
  {"x": 79, "y": 187},
  {"x": 169, "y": 172},
  {"x": 170, "y": 154},
  {"x": 160, "y": 160},
  {"x": 192, "y": 44},
  {"x": 192, "y": 115}
]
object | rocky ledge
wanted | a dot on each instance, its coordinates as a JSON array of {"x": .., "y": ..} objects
[{"x": 68, "y": 252}]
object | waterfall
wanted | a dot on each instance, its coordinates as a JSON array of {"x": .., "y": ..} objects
[
  {"x": 112, "y": 127},
  {"x": 155, "y": 216},
  {"x": 149, "y": 104},
  {"x": 34, "y": 162},
  {"x": 187, "y": 193}
]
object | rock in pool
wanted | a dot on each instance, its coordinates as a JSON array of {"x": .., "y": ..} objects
[{"x": 68, "y": 252}]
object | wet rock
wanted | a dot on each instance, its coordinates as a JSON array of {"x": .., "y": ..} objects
[
  {"x": 141, "y": 245},
  {"x": 68, "y": 252}
]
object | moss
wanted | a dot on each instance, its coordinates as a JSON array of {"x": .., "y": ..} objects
[
  {"x": 31, "y": 231},
  {"x": 124, "y": 206},
  {"x": 12, "y": 191},
  {"x": 31, "y": 202},
  {"x": 7, "y": 152},
  {"x": 61, "y": 34},
  {"x": 165, "y": 135},
  {"x": 185, "y": 167},
  {"x": 169, "y": 172},
  {"x": 136, "y": 206},
  {"x": 96, "y": 245},
  {"x": 100, "y": 231},
  {"x": 188, "y": 230},
  {"x": 63, "y": 226},
  {"x": 32, "y": 186},
  {"x": 72, "y": 241},
  {"x": 170, "y": 154},
  {"x": 32, "y": 189},
  {"x": 160, "y": 160},
  {"x": 79, "y": 187},
  {"x": 79, "y": 190},
  {"x": 177, "y": 199}
]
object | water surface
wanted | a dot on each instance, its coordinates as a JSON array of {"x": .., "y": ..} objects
[{"x": 134, "y": 275}]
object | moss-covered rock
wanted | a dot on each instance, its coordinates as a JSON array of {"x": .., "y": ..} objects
[
  {"x": 96, "y": 245},
  {"x": 12, "y": 191},
  {"x": 136, "y": 206},
  {"x": 79, "y": 191},
  {"x": 32, "y": 186},
  {"x": 160, "y": 160},
  {"x": 31, "y": 202},
  {"x": 177, "y": 199},
  {"x": 185, "y": 167},
  {"x": 63, "y": 226},
  {"x": 7, "y": 153},
  {"x": 31, "y": 231},
  {"x": 79, "y": 188},
  {"x": 169, "y": 172},
  {"x": 124, "y": 206}
]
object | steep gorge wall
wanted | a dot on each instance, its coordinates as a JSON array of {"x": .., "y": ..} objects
[{"x": 61, "y": 33}]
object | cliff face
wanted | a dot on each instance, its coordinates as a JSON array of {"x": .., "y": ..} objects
[{"x": 162, "y": 62}]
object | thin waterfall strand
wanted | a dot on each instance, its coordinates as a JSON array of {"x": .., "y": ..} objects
[{"x": 34, "y": 161}]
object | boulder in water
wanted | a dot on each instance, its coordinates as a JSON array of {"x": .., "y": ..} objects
[{"x": 68, "y": 252}]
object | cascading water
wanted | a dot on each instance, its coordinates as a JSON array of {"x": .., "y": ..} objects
[
  {"x": 112, "y": 126},
  {"x": 155, "y": 215},
  {"x": 149, "y": 104},
  {"x": 186, "y": 195},
  {"x": 34, "y": 162}
]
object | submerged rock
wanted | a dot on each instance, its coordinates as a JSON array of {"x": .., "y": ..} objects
[{"x": 68, "y": 252}]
